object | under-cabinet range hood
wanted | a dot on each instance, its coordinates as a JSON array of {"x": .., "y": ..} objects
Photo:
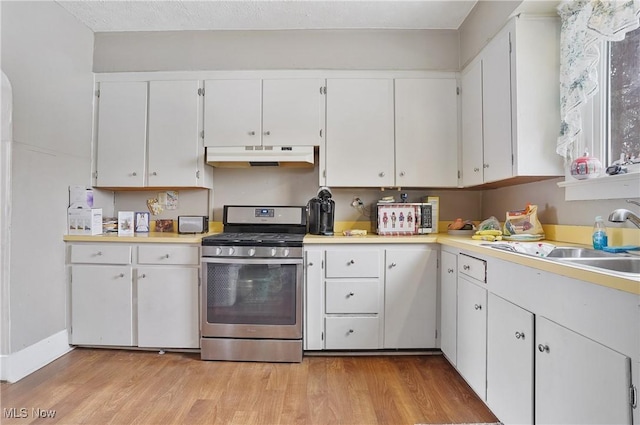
[{"x": 256, "y": 156}]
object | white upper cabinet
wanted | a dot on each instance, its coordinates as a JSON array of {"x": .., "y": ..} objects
[
  {"x": 471, "y": 110},
  {"x": 175, "y": 150},
  {"x": 292, "y": 112},
  {"x": 360, "y": 132},
  {"x": 148, "y": 135},
  {"x": 254, "y": 112},
  {"x": 426, "y": 129},
  {"x": 232, "y": 113},
  {"x": 510, "y": 105},
  {"x": 121, "y": 134},
  {"x": 496, "y": 109}
]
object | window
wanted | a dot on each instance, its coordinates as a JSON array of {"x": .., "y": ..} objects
[
  {"x": 611, "y": 123},
  {"x": 623, "y": 93}
]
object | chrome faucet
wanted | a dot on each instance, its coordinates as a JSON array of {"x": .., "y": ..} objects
[{"x": 621, "y": 215}]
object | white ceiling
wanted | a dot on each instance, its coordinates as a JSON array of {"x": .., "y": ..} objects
[{"x": 125, "y": 15}]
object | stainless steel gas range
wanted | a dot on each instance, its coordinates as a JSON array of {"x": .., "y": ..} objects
[{"x": 252, "y": 276}]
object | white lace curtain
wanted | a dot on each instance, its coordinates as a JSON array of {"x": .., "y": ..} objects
[{"x": 584, "y": 24}]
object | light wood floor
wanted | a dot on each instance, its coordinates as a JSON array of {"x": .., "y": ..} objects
[{"x": 98, "y": 386}]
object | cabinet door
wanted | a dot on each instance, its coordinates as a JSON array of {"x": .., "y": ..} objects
[
  {"x": 174, "y": 152},
  {"x": 510, "y": 344},
  {"x": 448, "y": 304},
  {"x": 410, "y": 298},
  {"x": 360, "y": 134},
  {"x": 314, "y": 300},
  {"x": 102, "y": 305},
  {"x": 122, "y": 134},
  {"x": 471, "y": 111},
  {"x": 472, "y": 335},
  {"x": 168, "y": 307},
  {"x": 579, "y": 381},
  {"x": 232, "y": 113},
  {"x": 496, "y": 109},
  {"x": 426, "y": 125},
  {"x": 291, "y": 112}
]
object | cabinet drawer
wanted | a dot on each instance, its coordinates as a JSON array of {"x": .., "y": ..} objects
[
  {"x": 168, "y": 254},
  {"x": 352, "y": 297},
  {"x": 353, "y": 263},
  {"x": 352, "y": 333},
  {"x": 472, "y": 267},
  {"x": 101, "y": 254}
]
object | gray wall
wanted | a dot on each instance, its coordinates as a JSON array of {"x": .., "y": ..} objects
[
  {"x": 47, "y": 55},
  {"x": 293, "y": 49}
]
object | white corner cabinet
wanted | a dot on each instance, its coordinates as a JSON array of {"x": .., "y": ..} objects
[
  {"x": 382, "y": 131},
  {"x": 141, "y": 295},
  {"x": 264, "y": 112},
  {"x": 510, "y": 105},
  {"x": 531, "y": 355},
  {"x": 367, "y": 297},
  {"x": 148, "y": 135}
]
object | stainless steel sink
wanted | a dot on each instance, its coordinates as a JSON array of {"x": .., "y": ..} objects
[
  {"x": 575, "y": 252},
  {"x": 630, "y": 265}
]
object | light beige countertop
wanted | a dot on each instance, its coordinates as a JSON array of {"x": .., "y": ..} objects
[
  {"x": 604, "y": 278},
  {"x": 151, "y": 237}
]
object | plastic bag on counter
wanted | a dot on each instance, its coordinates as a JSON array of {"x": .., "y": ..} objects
[
  {"x": 523, "y": 223},
  {"x": 491, "y": 223}
]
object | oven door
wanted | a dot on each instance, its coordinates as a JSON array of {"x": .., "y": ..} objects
[{"x": 251, "y": 298}]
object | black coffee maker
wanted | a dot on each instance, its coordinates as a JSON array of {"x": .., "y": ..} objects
[{"x": 321, "y": 213}]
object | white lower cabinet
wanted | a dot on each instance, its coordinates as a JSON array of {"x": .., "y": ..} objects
[
  {"x": 102, "y": 305},
  {"x": 538, "y": 347},
  {"x": 168, "y": 307},
  {"x": 362, "y": 296},
  {"x": 472, "y": 335},
  {"x": 448, "y": 304},
  {"x": 510, "y": 368},
  {"x": 579, "y": 381},
  {"x": 410, "y": 297},
  {"x": 352, "y": 333},
  {"x": 142, "y": 295}
]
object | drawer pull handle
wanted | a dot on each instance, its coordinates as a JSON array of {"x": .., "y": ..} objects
[
  {"x": 543, "y": 348},
  {"x": 310, "y": 264},
  {"x": 477, "y": 307},
  {"x": 449, "y": 270},
  {"x": 121, "y": 275},
  {"x": 142, "y": 276},
  {"x": 166, "y": 256},
  {"x": 350, "y": 294},
  {"x": 350, "y": 331},
  {"x": 466, "y": 267},
  {"x": 393, "y": 264},
  {"x": 99, "y": 253},
  {"x": 519, "y": 335},
  {"x": 351, "y": 262}
]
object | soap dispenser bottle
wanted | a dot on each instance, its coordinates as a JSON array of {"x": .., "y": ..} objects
[{"x": 600, "y": 239}]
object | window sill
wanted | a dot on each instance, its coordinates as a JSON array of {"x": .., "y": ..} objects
[{"x": 620, "y": 186}]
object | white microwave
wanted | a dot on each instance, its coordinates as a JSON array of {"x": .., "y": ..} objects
[{"x": 410, "y": 218}]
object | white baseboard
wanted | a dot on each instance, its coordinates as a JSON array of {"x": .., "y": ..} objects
[{"x": 16, "y": 366}]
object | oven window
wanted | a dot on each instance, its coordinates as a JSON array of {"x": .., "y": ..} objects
[{"x": 257, "y": 294}]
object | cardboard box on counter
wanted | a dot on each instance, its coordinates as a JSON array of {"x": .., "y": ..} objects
[
  {"x": 84, "y": 221},
  {"x": 80, "y": 197}
]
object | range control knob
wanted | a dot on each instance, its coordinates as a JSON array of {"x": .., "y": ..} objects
[
  {"x": 218, "y": 251},
  {"x": 273, "y": 252},
  {"x": 285, "y": 252},
  {"x": 251, "y": 252},
  {"x": 231, "y": 251}
]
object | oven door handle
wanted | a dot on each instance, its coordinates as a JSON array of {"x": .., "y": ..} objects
[{"x": 275, "y": 261}]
